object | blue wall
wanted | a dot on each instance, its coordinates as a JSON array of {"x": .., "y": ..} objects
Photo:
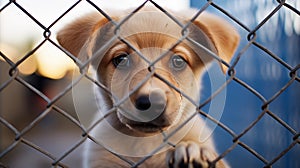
[{"x": 267, "y": 76}]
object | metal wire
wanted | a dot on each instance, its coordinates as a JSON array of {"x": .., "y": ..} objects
[{"x": 57, "y": 160}]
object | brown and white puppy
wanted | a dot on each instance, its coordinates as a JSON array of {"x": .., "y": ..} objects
[{"x": 155, "y": 84}]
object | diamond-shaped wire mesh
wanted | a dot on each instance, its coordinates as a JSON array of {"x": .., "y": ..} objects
[{"x": 49, "y": 131}]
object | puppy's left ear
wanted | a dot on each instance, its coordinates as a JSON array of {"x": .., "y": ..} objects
[
  {"x": 223, "y": 36},
  {"x": 73, "y": 36}
]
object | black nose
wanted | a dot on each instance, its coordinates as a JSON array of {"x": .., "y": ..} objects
[
  {"x": 143, "y": 102},
  {"x": 155, "y": 101}
]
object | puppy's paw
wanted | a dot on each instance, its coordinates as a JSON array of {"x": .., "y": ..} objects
[{"x": 192, "y": 155}]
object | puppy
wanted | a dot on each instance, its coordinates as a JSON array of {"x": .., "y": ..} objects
[{"x": 152, "y": 85}]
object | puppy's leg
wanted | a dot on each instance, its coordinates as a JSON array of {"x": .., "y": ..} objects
[{"x": 189, "y": 154}]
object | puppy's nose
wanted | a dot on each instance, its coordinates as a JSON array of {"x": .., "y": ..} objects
[
  {"x": 154, "y": 101},
  {"x": 143, "y": 102}
]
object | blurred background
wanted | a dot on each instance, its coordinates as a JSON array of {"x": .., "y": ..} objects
[{"x": 50, "y": 71}]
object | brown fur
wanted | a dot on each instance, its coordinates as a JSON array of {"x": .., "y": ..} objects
[{"x": 152, "y": 33}]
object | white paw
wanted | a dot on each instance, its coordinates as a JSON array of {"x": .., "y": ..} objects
[{"x": 192, "y": 155}]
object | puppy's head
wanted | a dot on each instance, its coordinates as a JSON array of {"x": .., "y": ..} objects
[{"x": 153, "y": 78}]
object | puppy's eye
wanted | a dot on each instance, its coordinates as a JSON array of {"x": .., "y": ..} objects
[
  {"x": 177, "y": 62},
  {"x": 122, "y": 61}
]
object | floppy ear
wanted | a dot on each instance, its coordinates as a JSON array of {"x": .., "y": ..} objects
[
  {"x": 73, "y": 36},
  {"x": 223, "y": 36}
]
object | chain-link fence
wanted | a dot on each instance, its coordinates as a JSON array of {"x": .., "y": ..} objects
[{"x": 43, "y": 131}]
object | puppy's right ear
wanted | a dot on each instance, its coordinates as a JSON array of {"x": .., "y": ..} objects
[
  {"x": 224, "y": 36},
  {"x": 73, "y": 36}
]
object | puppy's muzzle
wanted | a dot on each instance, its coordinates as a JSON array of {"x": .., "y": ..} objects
[{"x": 151, "y": 105}]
